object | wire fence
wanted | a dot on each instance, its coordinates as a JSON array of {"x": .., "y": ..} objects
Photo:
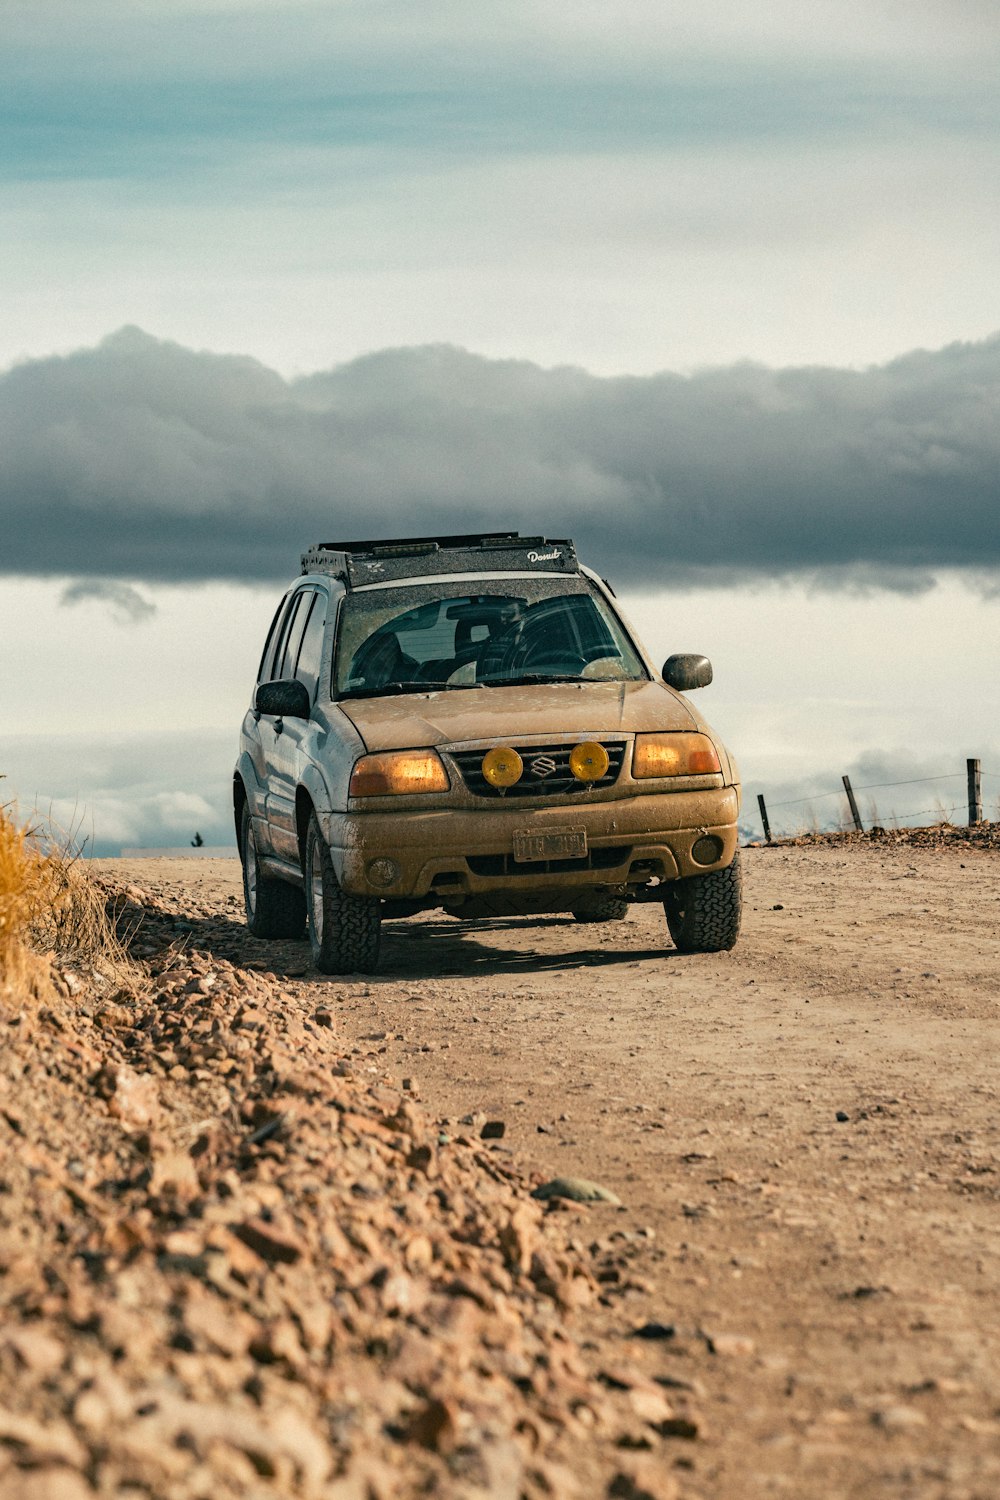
[{"x": 822, "y": 820}]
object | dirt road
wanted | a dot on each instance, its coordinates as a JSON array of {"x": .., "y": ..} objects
[{"x": 804, "y": 1135}]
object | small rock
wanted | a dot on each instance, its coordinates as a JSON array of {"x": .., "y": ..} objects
[
  {"x": 687, "y": 1427},
  {"x": 519, "y": 1238},
  {"x": 435, "y": 1425},
  {"x": 54, "y": 1483},
  {"x": 650, "y": 1405},
  {"x": 899, "y": 1418},
  {"x": 493, "y": 1130},
  {"x": 199, "y": 986},
  {"x": 643, "y": 1479},
  {"x": 132, "y": 1097},
  {"x": 730, "y": 1345},
  {"x": 842, "y": 1116},
  {"x": 174, "y": 1171},
  {"x": 40, "y": 1443},
  {"x": 982, "y": 1427},
  {"x": 655, "y": 1331},
  {"x": 36, "y": 1350},
  {"x": 577, "y": 1190},
  {"x": 269, "y": 1242}
]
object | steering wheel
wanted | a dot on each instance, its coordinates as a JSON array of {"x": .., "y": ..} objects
[{"x": 562, "y": 663}]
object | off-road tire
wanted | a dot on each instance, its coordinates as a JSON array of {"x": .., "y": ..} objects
[
  {"x": 274, "y": 908},
  {"x": 344, "y": 931},
  {"x": 602, "y": 909},
  {"x": 703, "y": 911}
]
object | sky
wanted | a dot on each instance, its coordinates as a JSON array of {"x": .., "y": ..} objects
[{"x": 714, "y": 293}]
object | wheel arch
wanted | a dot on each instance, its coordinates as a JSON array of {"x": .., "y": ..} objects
[
  {"x": 240, "y": 800},
  {"x": 304, "y": 807},
  {"x": 248, "y": 792}
]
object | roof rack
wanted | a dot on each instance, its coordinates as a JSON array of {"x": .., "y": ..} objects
[{"x": 383, "y": 561}]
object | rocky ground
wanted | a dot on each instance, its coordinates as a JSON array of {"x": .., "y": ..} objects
[{"x": 267, "y": 1234}]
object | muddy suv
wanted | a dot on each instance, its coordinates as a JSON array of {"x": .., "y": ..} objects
[{"x": 467, "y": 722}]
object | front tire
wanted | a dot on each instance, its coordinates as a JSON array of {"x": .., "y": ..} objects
[
  {"x": 703, "y": 912},
  {"x": 344, "y": 930},
  {"x": 274, "y": 908}
]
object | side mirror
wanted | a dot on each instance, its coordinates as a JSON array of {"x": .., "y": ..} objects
[
  {"x": 286, "y": 699},
  {"x": 687, "y": 671}
]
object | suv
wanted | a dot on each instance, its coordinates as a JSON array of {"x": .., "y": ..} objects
[{"x": 467, "y": 722}]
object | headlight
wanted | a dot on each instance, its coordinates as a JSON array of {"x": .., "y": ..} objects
[
  {"x": 398, "y": 772},
  {"x": 674, "y": 755}
]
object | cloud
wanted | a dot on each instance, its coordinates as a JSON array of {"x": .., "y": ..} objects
[
  {"x": 144, "y": 790},
  {"x": 142, "y": 459},
  {"x": 125, "y": 90},
  {"x": 127, "y": 606}
]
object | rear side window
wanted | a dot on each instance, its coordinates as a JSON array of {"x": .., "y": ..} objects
[
  {"x": 311, "y": 649},
  {"x": 265, "y": 656},
  {"x": 292, "y": 635}
]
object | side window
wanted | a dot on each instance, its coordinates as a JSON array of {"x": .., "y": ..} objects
[
  {"x": 262, "y": 675},
  {"x": 311, "y": 649},
  {"x": 292, "y": 638}
]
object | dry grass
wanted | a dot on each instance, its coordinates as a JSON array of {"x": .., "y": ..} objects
[
  {"x": 50, "y": 909},
  {"x": 26, "y": 889}
]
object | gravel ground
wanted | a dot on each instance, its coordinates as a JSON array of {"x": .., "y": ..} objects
[{"x": 803, "y": 1135}]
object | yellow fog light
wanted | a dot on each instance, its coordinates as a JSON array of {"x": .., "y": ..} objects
[
  {"x": 674, "y": 755},
  {"x": 589, "y": 761},
  {"x": 398, "y": 772},
  {"x": 502, "y": 766}
]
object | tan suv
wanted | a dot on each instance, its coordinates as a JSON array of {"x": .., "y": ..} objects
[{"x": 467, "y": 722}]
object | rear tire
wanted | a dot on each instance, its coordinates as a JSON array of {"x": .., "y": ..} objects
[
  {"x": 602, "y": 909},
  {"x": 344, "y": 931},
  {"x": 274, "y": 908},
  {"x": 703, "y": 911}
]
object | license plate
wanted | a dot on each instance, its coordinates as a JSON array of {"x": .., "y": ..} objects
[{"x": 556, "y": 843}]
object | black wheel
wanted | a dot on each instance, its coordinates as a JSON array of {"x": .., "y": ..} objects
[
  {"x": 344, "y": 931},
  {"x": 601, "y": 909},
  {"x": 274, "y": 908},
  {"x": 703, "y": 911}
]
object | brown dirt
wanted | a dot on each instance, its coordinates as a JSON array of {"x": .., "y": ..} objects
[{"x": 803, "y": 1134}]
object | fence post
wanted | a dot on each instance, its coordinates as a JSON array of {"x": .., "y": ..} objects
[
  {"x": 854, "y": 806},
  {"x": 763, "y": 816},
  {"x": 973, "y": 772}
]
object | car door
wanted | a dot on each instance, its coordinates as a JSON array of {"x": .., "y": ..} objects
[{"x": 288, "y": 742}]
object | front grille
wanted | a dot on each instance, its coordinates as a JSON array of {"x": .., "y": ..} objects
[{"x": 546, "y": 771}]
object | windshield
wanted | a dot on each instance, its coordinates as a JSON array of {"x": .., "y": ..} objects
[{"x": 431, "y": 636}]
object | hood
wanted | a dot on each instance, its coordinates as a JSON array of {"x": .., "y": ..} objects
[{"x": 559, "y": 710}]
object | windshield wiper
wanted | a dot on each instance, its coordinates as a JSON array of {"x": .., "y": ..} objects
[
  {"x": 391, "y": 688},
  {"x": 527, "y": 678},
  {"x": 385, "y": 691}
]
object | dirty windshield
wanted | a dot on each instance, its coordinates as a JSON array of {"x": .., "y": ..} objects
[{"x": 496, "y": 631}]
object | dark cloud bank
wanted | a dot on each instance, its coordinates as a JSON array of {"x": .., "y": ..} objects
[{"x": 140, "y": 459}]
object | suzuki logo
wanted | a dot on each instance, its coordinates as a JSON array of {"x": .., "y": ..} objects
[{"x": 542, "y": 765}]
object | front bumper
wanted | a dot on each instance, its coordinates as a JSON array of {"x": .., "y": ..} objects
[{"x": 449, "y": 851}]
